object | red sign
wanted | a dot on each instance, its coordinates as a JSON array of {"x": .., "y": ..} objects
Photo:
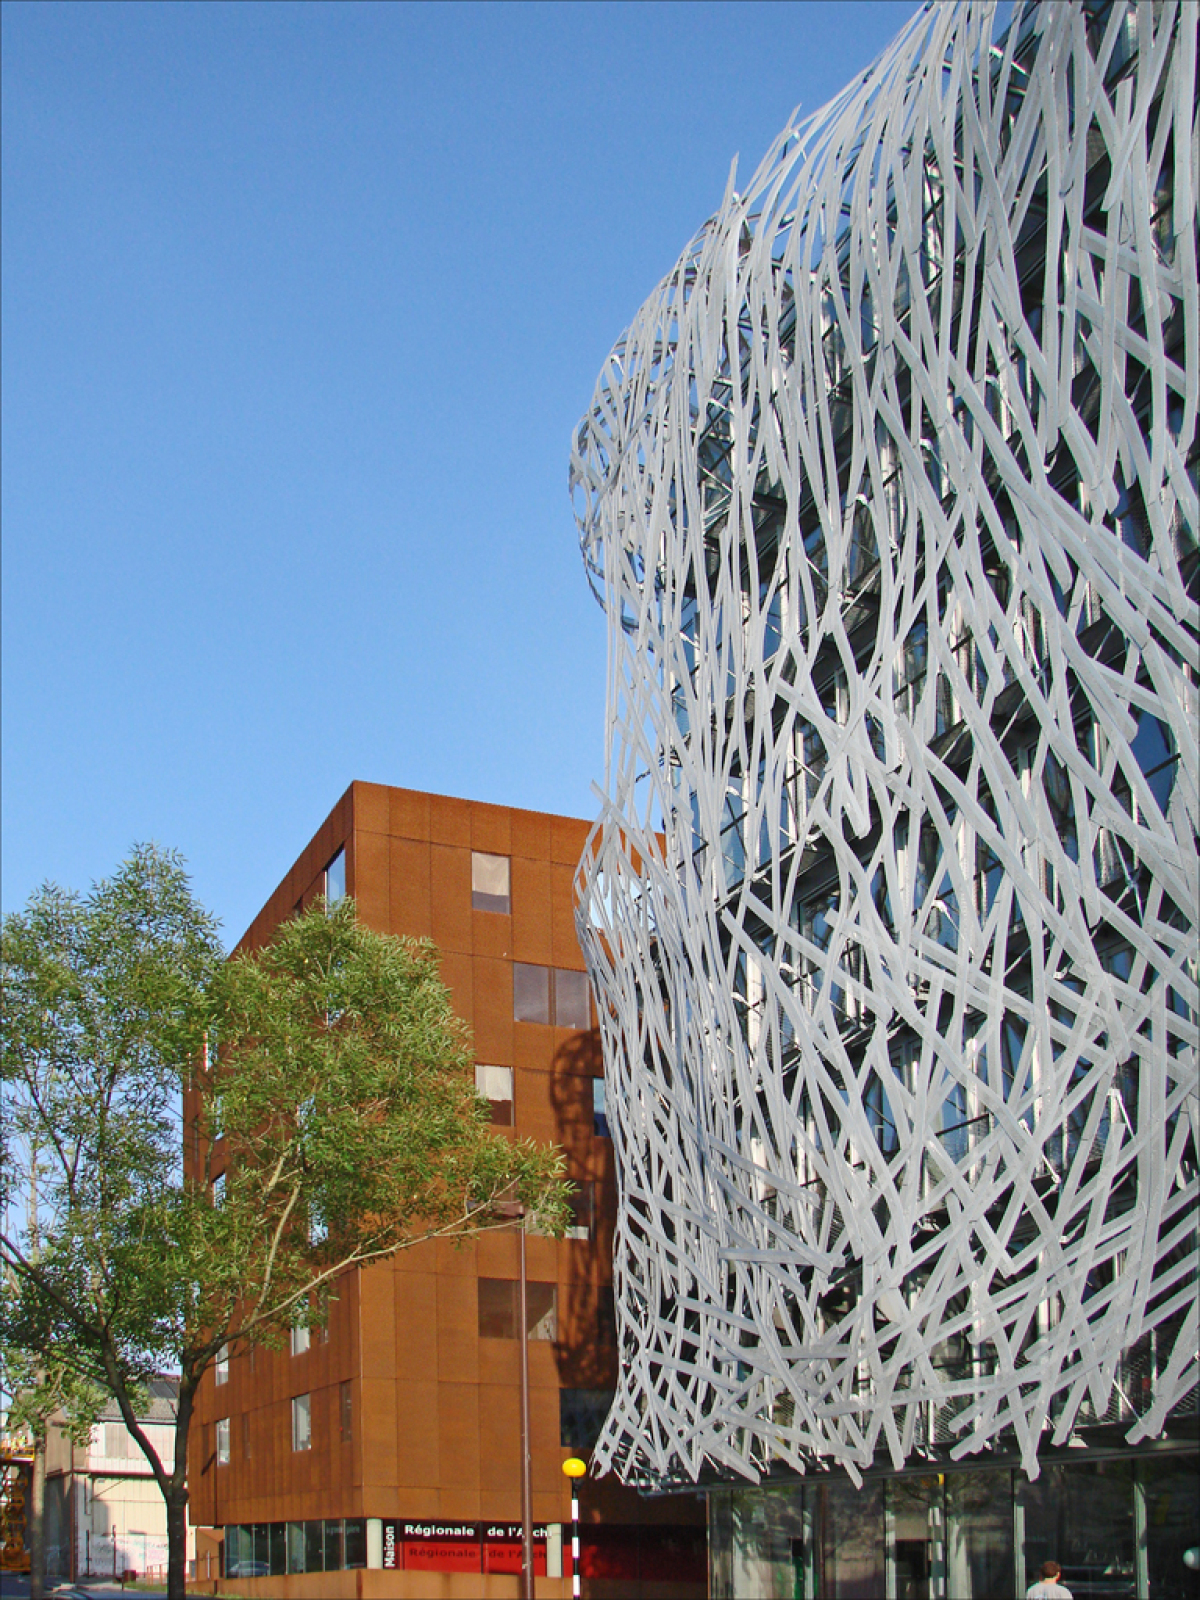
[{"x": 460, "y": 1547}]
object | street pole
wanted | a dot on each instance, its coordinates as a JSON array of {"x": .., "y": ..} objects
[{"x": 526, "y": 1467}]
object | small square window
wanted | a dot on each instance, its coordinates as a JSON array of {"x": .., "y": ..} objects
[
  {"x": 531, "y": 993},
  {"x": 571, "y": 1002},
  {"x": 221, "y": 1365},
  {"x": 599, "y": 1110},
  {"x": 335, "y": 879},
  {"x": 301, "y": 1422},
  {"x": 495, "y": 1084},
  {"x": 345, "y": 1410},
  {"x": 301, "y": 1339},
  {"x": 490, "y": 883},
  {"x": 223, "y": 1441}
]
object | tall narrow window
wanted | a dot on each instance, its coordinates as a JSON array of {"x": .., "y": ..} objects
[
  {"x": 531, "y": 993},
  {"x": 222, "y": 1441},
  {"x": 495, "y": 1084},
  {"x": 247, "y": 1441},
  {"x": 301, "y": 1422},
  {"x": 490, "y": 883},
  {"x": 221, "y": 1365},
  {"x": 345, "y": 1411},
  {"x": 335, "y": 879},
  {"x": 300, "y": 1341},
  {"x": 583, "y": 1210},
  {"x": 599, "y": 1110},
  {"x": 571, "y": 1002}
]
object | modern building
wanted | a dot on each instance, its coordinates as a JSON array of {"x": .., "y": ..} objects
[
  {"x": 382, "y": 1457},
  {"x": 105, "y": 1514},
  {"x": 890, "y": 494}
]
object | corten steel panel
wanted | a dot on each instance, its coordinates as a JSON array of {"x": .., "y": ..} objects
[
  {"x": 416, "y": 1308},
  {"x": 458, "y": 1437},
  {"x": 532, "y": 939},
  {"x": 450, "y": 896},
  {"x": 377, "y": 1322},
  {"x": 454, "y": 1260},
  {"x": 535, "y": 1104},
  {"x": 492, "y": 934},
  {"x": 458, "y": 1329},
  {"x": 372, "y": 880},
  {"x": 415, "y": 1447},
  {"x": 533, "y": 1047},
  {"x": 566, "y": 951},
  {"x": 371, "y": 808},
  {"x": 493, "y": 1012},
  {"x": 499, "y": 1365},
  {"x": 409, "y": 814},
  {"x": 458, "y": 974},
  {"x": 496, "y": 1254},
  {"x": 500, "y": 1440},
  {"x": 411, "y": 905},
  {"x": 491, "y": 828},
  {"x": 450, "y": 821},
  {"x": 531, "y": 835},
  {"x": 541, "y": 1262},
  {"x": 567, "y": 839}
]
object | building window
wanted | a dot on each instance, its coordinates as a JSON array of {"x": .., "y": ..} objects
[
  {"x": 571, "y": 1001},
  {"x": 490, "y": 888},
  {"x": 583, "y": 1210},
  {"x": 335, "y": 879},
  {"x": 301, "y": 1339},
  {"x": 581, "y": 1414},
  {"x": 606, "y": 1314},
  {"x": 221, "y": 1365},
  {"x": 345, "y": 1410},
  {"x": 218, "y": 1189},
  {"x": 222, "y": 1441},
  {"x": 495, "y": 1084},
  {"x": 550, "y": 994},
  {"x": 499, "y": 1302},
  {"x": 301, "y": 1422},
  {"x": 116, "y": 1441},
  {"x": 599, "y": 1110}
]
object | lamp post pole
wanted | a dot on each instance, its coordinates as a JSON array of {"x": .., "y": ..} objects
[{"x": 526, "y": 1467}]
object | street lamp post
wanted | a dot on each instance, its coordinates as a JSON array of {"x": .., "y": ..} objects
[{"x": 516, "y": 1210}]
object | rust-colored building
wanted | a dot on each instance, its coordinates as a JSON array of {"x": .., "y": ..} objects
[{"x": 383, "y": 1458}]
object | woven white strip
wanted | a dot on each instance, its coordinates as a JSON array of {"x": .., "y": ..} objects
[{"x": 890, "y": 495}]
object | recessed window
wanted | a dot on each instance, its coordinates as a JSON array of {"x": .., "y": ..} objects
[
  {"x": 495, "y": 1084},
  {"x": 301, "y": 1422},
  {"x": 490, "y": 883},
  {"x": 571, "y": 1007},
  {"x": 301, "y": 1339},
  {"x": 599, "y": 1110},
  {"x": 499, "y": 1309},
  {"x": 531, "y": 993},
  {"x": 581, "y": 1414},
  {"x": 247, "y": 1442},
  {"x": 222, "y": 1441},
  {"x": 551, "y": 994},
  {"x": 221, "y": 1365},
  {"x": 583, "y": 1210},
  {"x": 345, "y": 1410},
  {"x": 335, "y": 879},
  {"x": 218, "y": 1189}
]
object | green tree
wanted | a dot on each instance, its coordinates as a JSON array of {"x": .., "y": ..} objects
[{"x": 321, "y": 1090}]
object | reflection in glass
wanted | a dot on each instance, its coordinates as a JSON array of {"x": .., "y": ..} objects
[
  {"x": 851, "y": 1541},
  {"x": 979, "y": 1535},
  {"x": 1081, "y": 1517}
]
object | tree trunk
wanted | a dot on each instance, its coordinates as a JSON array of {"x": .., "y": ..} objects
[
  {"x": 176, "y": 1497},
  {"x": 37, "y": 1520}
]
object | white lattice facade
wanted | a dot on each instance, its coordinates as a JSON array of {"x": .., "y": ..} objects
[{"x": 890, "y": 493}]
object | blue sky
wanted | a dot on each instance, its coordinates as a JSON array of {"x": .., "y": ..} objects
[{"x": 301, "y": 304}]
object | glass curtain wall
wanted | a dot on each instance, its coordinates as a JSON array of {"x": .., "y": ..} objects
[{"x": 1122, "y": 1529}]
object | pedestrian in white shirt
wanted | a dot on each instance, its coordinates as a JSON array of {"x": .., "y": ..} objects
[{"x": 1048, "y": 1586}]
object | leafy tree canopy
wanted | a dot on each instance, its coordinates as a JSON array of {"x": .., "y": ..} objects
[{"x": 322, "y": 1092}]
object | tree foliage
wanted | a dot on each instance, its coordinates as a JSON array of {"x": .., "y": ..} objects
[{"x": 322, "y": 1092}]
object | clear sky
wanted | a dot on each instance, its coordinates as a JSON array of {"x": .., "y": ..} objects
[{"x": 301, "y": 304}]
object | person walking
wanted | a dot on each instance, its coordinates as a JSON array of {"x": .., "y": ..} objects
[{"x": 1048, "y": 1587}]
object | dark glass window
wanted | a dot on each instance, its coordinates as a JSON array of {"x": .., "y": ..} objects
[
  {"x": 314, "y": 1547},
  {"x": 335, "y": 879},
  {"x": 498, "y": 1309},
  {"x": 581, "y": 1414},
  {"x": 355, "y": 1542},
  {"x": 551, "y": 994},
  {"x": 583, "y": 1210},
  {"x": 346, "y": 1410},
  {"x": 278, "y": 1547},
  {"x": 334, "y": 1549}
]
